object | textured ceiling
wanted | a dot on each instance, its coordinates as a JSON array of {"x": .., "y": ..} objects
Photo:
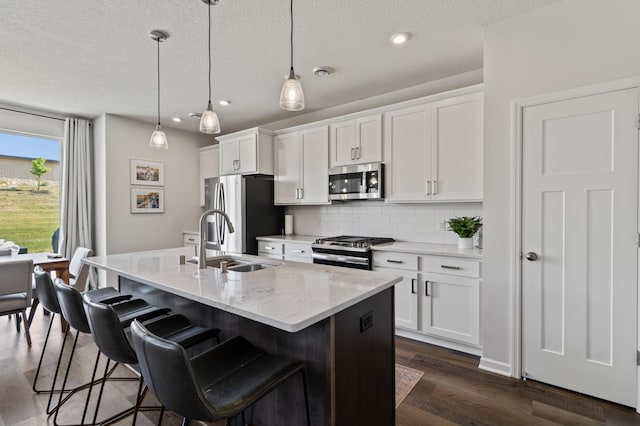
[{"x": 90, "y": 57}]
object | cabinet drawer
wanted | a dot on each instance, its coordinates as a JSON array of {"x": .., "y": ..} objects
[
  {"x": 390, "y": 259},
  {"x": 270, "y": 247},
  {"x": 299, "y": 252},
  {"x": 190, "y": 239},
  {"x": 451, "y": 266}
]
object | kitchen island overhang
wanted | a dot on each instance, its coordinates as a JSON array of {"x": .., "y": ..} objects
[{"x": 339, "y": 321}]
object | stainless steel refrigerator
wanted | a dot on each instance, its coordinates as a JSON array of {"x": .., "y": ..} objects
[{"x": 248, "y": 200}]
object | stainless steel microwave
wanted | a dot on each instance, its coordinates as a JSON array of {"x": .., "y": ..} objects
[{"x": 357, "y": 182}]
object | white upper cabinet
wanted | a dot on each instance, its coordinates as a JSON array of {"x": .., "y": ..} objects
[
  {"x": 433, "y": 151},
  {"x": 356, "y": 141},
  {"x": 301, "y": 165},
  {"x": 209, "y": 166},
  {"x": 246, "y": 152}
]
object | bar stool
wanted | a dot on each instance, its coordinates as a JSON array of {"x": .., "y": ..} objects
[
  {"x": 70, "y": 301},
  {"x": 220, "y": 383},
  {"x": 111, "y": 337},
  {"x": 49, "y": 300}
]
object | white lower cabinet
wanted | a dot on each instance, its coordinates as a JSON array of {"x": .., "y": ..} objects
[
  {"x": 438, "y": 297},
  {"x": 270, "y": 249}
]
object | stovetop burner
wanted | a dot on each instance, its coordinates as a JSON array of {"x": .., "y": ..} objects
[{"x": 349, "y": 241}]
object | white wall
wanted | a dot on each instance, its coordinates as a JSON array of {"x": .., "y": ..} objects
[
  {"x": 403, "y": 222},
  {"x": 570, "y": 44},
  {"x": 119, "y": 230}
]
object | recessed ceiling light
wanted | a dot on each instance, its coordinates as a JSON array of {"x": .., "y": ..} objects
[
  {"x": 399, "y": 38},
  {"x": 177, "y": 119},
  {"x": 224, "y": 102},
  {"x": 322, "y": 71},
  {"x": 195, "y": 115}
]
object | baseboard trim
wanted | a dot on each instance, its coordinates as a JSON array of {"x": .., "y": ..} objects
[
  {"x": 494, "y": 366},
  {"x": 473, "y": 350}
]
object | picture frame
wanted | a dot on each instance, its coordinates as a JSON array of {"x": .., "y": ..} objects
[
  {"x": 145, "y": 172},
  {"x": 147, "y": 199}
]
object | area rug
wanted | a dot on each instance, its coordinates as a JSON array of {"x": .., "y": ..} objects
[{"x": 406, "y": 379}]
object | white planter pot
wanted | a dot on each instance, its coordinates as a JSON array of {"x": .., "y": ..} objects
[{"x": 466, "y": 243}]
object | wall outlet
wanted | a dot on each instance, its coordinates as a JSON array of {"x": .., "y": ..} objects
[
  {"x": 366, "y": 321},
  {"x": 442, "y": 225}
]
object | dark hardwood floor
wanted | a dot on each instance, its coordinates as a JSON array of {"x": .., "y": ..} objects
[{"x": 453, "y": 391}]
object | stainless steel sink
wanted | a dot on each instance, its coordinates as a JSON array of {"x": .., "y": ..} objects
[{"x": 237, "y": 263}]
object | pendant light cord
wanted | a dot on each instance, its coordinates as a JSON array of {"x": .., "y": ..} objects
[
  {"x": 291, "y": 15},
  {"x": 158, "y": 44},
  {"x": 209, "y": 51}
]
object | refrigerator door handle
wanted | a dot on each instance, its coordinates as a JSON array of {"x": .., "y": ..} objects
[{"x": 221, "y": 225}]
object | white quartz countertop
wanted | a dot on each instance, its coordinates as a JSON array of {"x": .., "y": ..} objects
[
  {"x": 431, "y": 249},
  {"x": 291, "y": 296},
  {"x": 292, "y": 238}
]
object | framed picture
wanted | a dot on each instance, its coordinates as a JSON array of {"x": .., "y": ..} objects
[
  {"x": 148, "y": 173},
  {"x": 147, "y": 200}
]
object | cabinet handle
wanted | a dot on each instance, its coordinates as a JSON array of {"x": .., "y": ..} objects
[
  {"x": 426, "y": 288},
  {"x": 428, "y": 187},
  {"x": 238, "y": 163},
  {"x": 450, "y": 267},
  {"x": 434, "y": 188},
  {"x": 191, "y": 239},
  {"x": 357, "y": 148},
  {"x": 413, "y": 286},
  {"x": 301, "y": 193},
  {"x": 297, "y": 193},
  {"x": 298, "y": 251},
  {"x": 269, "y": 248},
  {"x": 352, "y": 154},
  {"x": 394, "y": 261}
]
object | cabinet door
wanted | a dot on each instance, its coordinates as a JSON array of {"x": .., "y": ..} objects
[
  {"x": 406, "y": 298},
  {"x": 209, "y": 167},
  {"x": 314, "y": 185},
  {"x": 456, "y": 149},
  {"x": 342, "y": 140},
  {"x": 247, "y": 154},
  {"x": 368, "y": 142},
  {"x": 450, "y": 307},
  {"x": 287, "y": 164},
  {"x": 406, "y": 154},
  {"x": 228, "y": 157}
]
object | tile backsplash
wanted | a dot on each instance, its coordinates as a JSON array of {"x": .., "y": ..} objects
[{"x": 404, "y": 222}]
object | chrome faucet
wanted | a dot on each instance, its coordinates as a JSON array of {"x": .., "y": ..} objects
[{"x": 202, "y": 258}]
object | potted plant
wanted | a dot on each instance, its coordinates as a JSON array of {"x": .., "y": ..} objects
[{"x": 466, "y": 227}]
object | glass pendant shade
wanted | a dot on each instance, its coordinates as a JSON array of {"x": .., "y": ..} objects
[
  {"x": 292, "y": 97},
  {"x": 158, "y": 139},
  {"x": 209, "y": 122}
]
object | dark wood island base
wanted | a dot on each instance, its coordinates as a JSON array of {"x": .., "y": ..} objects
[{"x": 350, "y": 359}]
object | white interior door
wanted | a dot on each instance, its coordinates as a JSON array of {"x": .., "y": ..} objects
[{"x": 580, "y": 219}]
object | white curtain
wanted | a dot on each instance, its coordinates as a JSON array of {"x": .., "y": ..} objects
[{"x": 76, "y": 192}]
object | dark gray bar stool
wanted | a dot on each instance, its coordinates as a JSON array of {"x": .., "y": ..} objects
[
  {"x": 220, "y": 383},
  {"x": 111, "y": 336}
]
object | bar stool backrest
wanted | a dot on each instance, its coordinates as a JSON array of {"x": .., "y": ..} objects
[
  {"x": 107, "y": 331},
  {"x": 71, "y": 305},
  {"x": 167, "y": 371},
  {"x": 46, "y": 291}
]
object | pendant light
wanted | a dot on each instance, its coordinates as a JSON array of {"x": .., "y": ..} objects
[
  {"x": 158, "y": 138},
  {"x": 291, "y": 96},
  {"x": 209, "y": 122}
]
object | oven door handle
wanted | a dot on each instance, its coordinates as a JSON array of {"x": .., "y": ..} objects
[{"x": 341, "y": 258}]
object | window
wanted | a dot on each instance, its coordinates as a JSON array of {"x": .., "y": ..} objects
[{"x": 29, "y": 195}]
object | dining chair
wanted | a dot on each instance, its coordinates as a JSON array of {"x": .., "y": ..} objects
[
  {"x": 79, "y": 272},
  {"x": 15, "y": 291}
]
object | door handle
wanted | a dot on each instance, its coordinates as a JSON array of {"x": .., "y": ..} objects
[
  {"x": 301, "y": 193},
  {"x": 434, "y": 187},
  {"x": 426, "y": 288},
  {"x": 413, "y": 286},
  {"x": 352, "y": 154},
  {"x": 357, "y": 148},
  {"x": 531, "y": 256},
  {"x": 428, "y": 187}
]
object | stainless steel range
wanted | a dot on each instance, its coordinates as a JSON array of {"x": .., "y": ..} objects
[{"x": 346, "y": 250}]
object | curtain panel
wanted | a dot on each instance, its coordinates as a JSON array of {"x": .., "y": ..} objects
[{"x": 76, "y": 192}]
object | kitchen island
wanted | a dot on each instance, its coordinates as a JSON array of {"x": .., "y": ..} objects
[{"x": 339, "y": 321}]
